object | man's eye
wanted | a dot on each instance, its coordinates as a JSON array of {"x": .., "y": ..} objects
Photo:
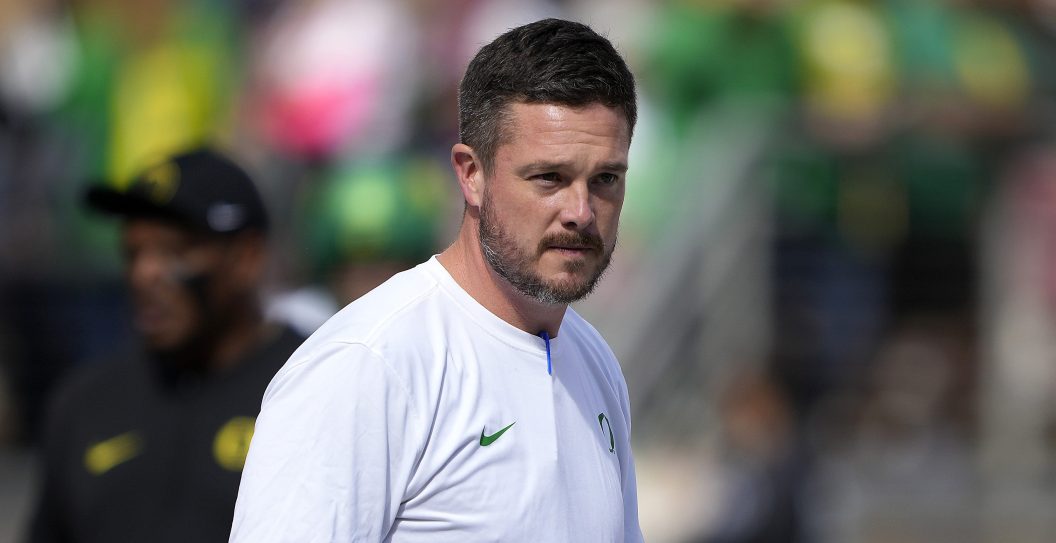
[
  {"x": 552, "y": 177},
  {"x": 607, "y": 178}
]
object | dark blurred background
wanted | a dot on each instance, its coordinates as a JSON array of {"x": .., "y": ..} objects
[{"x": 835, "y": 295}]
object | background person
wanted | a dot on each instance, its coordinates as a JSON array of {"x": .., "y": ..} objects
[{"x": 150, "y": 446}]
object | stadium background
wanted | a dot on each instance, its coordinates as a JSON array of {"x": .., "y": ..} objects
[{"x": 835, "y": 293}]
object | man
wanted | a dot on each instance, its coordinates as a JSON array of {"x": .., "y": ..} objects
[
  {"x": 150, "y": 447},
  {"x": 463, "y": 400}
]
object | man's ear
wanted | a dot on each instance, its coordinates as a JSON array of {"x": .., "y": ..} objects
[{"x": 470, "y": 173}]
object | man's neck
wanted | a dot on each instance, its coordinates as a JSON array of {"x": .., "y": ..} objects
[{"x": 465, "y": 261}]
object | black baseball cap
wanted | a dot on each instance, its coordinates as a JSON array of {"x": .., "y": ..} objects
[{"x": 201, "y": 188}]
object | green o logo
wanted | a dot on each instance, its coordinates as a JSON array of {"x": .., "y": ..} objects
[{"x": 603, "y": 422}]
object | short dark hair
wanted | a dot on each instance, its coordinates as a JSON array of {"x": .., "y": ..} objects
[{"x": 548, "y": 61}]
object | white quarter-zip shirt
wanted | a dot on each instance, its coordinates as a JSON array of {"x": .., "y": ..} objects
[{"x": 415, "y": 414}]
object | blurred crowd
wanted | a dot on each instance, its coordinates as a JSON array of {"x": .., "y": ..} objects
[{"x": 902, "y": 382}]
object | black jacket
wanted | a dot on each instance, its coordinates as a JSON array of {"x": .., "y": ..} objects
[{"x": 133, "y": 453}]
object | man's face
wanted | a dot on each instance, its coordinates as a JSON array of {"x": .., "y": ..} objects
[
  {"x": 551, "y": 204},
  {"x": 168, "y": 270}
]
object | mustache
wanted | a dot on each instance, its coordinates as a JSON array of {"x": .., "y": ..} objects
[{"x": 572, "y": 239}]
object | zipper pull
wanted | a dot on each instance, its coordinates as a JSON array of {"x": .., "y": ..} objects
[{"x": 546, "y": 338}]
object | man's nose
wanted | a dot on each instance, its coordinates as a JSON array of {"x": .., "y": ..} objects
[{"x": 577, "y": 209}]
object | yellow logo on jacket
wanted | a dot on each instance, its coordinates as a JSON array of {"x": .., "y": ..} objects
[
  {"x": 103, "y": 456},
  {"x": 231, "y": 444}
]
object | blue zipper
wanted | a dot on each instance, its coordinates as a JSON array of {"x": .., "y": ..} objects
[{"x": 549, "y": 365}]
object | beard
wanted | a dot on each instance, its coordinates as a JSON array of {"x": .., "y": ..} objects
[{"x": 515, "y": 264}]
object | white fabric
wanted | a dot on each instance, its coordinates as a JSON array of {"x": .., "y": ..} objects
[{"x": 372, "y": 430}]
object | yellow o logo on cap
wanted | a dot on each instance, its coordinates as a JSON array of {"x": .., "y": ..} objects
[
  {"x": 232, "y": 443},
  {"x": 159, "y": 182}
]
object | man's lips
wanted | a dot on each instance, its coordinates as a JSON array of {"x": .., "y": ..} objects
[{"x": 574, "y": 252}]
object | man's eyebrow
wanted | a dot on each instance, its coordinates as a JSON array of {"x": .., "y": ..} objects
[
  {"x": 540, "y": 166},
  {"x": 618, "y": 167},
  {"x": 550, "y": 166}
]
